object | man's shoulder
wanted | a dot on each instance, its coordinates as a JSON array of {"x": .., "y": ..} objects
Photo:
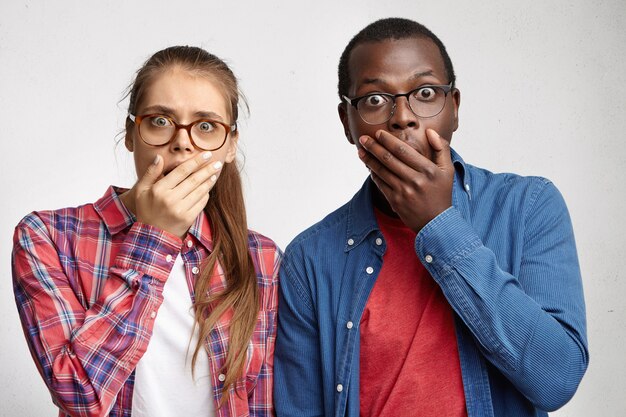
[
  {"x": 505, "y": 182},
  {"x": 513, "y": 194}
]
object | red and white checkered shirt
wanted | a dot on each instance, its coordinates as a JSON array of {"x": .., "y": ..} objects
[{"x": 88, "y": 283}]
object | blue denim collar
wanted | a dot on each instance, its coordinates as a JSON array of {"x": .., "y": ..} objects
[{"x": 361, "y": 220}]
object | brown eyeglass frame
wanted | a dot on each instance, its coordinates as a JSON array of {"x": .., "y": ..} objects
[{"x": 138, "y": 119}]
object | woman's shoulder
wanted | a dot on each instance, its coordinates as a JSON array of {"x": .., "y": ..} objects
[
  {"x": 60, "y": 221},
  {"x": 257, "y": 241},
  {"x": 66, "y": 221},
  {"x": 266, "y": 256}
]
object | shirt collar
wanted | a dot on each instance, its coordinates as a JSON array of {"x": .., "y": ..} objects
[
  {"x": 116, "y": 217},
  {"x": 201, "y": 230},
  {"x": 462, "y": 176},
  {"x": 361, "y": 220}
]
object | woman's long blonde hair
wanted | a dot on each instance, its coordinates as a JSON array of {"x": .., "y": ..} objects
[{"x": 227, "y": 217}]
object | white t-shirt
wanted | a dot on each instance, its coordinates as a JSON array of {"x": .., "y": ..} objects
[{"x": 163, "y": 382}]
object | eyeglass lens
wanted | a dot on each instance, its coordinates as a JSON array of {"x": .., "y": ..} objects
[
  {"x": 159, "y": 130},
  {"x": 424, "y": 102}
]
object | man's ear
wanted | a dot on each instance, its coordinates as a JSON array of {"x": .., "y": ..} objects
[
  {"x": 456, "y": 100},
  {"x": 342, "y": 109},
  {"x": 232, "y": 146}
]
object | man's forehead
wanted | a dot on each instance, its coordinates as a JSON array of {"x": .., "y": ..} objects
[{"x": 407, "y": 59}]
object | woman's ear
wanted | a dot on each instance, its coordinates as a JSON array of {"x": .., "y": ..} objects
[
  {"x": 232, "y": 146},
  {"x": 128, "y": 141}
]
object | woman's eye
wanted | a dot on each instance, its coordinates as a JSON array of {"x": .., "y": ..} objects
[
  {"x": 425, "y": 93},
  {"x": 205, "y": 127},
  {"x": 375, "y": 100},
  {"x": 160, "y": 121}
]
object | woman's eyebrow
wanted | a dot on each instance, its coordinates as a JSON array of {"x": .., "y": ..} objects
[
  {"x": 208, "y": 115},
  {"x": 159, "y": 109}
]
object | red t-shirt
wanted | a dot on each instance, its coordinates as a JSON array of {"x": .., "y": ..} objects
[{"x": 409, "y": 357}]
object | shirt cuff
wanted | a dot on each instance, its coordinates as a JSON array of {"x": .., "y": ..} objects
[
  {"x": 148, "y": 250},
  {"x": 445, "y": 239}
]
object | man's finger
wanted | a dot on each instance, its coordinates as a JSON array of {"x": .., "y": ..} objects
[
  {"x": 378, "y": 168},
  {"x": 402, "y": 151},
  {"x": 441, "y": 148}
]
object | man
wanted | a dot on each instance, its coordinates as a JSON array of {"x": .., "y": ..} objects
[{"x": 440, "y": 289}]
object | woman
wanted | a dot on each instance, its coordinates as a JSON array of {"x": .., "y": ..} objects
[{"x": 157, "y": 300}]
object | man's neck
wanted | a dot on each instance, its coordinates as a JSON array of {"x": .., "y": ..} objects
[{"x": 380, "y": 202}]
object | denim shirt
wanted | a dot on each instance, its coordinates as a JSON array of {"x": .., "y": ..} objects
[{"x": 505, "y": 258}]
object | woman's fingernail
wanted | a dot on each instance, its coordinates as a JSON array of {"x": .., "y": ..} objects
[
  {"x": 217, "y": 165},
  {"x": 361, "y": 152},
  {"x": 207, "y": 155},
  {"x": 156, "y": 160},
  {"x": 213, "y": 178},
  {"x": 363, "y": 140}
]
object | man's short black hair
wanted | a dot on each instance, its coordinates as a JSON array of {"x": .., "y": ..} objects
[{"x": 384, "y": 29}]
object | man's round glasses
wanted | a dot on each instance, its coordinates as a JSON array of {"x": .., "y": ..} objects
[
  {"x": 159, "y": 130},
  {"x": 377, "y": 108}
]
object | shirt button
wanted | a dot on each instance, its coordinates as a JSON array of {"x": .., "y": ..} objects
[
  {"x": 369, "y": 270},
  {"x": 350, "y": 242},
  {"x": 379, "y": 241},
  {"x": 339, "y": 387},
  {"x": 467, "y": 187},
  {"x": 153, "y": 314},
  {"x": 221, "y": 377},
  {"x": 189, "y": 243},
  {"x": 428, "y": 258},
  {"x": 349, "y": 325},
  {"x": 195, "y": 270},
  {"x": 168, "y": 258}
]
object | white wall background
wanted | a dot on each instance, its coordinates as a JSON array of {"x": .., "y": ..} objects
[{"x": 543, "y": 92}]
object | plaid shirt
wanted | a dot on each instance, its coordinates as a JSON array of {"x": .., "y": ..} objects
[{"x": 88, "y": 283}]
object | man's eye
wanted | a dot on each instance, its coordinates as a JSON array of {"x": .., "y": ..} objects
[
  {"x": 425, "y": 94},
  {"x": 160, "y": 121},
  {"x": 375, "y": 100}
]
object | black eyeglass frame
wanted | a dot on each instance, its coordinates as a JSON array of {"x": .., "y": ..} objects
[
  {"x": 355, "y": 101},
  {"x": 138, "y": 119}
]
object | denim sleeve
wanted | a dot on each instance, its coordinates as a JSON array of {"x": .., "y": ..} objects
[
  {"x": 297, "y": 371},
  {"x": 531, "y": 326}
]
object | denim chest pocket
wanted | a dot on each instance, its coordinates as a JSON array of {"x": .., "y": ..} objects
[{"x": 262, "y": 339}]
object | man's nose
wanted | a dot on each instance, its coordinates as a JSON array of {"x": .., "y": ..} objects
[{"x": 403, "y": 117}]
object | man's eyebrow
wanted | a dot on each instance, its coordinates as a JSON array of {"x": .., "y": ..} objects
[
  {"x": 373, "y": 81},
  {"x": 421, "y": 74}
]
